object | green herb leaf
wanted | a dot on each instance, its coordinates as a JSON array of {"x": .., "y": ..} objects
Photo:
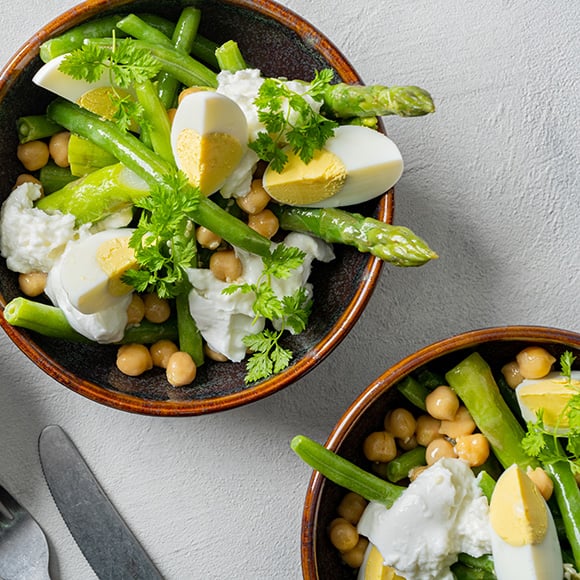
[
  {"x": 268, "y": 356},
  {"x": 164, "y": 240},
  {"x": 289, "y": 119}
]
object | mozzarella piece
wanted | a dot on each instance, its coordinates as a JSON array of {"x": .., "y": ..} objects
[
  {"x": 209, "y": 137},
  {"x": 355, "y": 165},
  {"x": 523, "y": 535}
]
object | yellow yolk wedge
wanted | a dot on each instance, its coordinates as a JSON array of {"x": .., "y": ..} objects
[
  {"x": 551, "y": 393},
  {"x": 355, "y": 165},
  {"x": 375, "y": 569},
  {"x": 49, "y": 77},
  {"x": 209, "y": 136},
  {"x": 91, "y": 270},
  {"x": 523, "y": 535}
]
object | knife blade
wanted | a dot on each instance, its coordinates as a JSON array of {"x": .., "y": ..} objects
[{"x": 107, "y": 543}]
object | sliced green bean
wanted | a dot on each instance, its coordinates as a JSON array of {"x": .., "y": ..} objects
[
  {"x": 413, "y": 391},
  {"x": 54, "y": 177},
  {"x": 400, "y": 467},
  {"x": 229, "y": 57},
  {"x": 33, "y": 127}
]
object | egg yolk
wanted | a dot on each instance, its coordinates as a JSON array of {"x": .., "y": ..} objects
[
  {"x": 300, "y": 183},
  {"x": 208, "y": 159},
  {"x": 115, "y": 257},
  {"x": 517, "y": 511}
]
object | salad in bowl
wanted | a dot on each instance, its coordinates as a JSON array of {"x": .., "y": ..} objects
[{"x": 174, "y": 200}]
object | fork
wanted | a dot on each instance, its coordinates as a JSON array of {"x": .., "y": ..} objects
[{"x": 23, "y": 545}]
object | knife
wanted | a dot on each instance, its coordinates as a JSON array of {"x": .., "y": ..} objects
[{"x": 105, "y": 540}]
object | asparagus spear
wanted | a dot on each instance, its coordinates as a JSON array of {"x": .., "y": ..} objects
[
  {"x": 473, "y": 381},
  {"x": 395, "y": 244},
  {"x": 344, "y": 101}
]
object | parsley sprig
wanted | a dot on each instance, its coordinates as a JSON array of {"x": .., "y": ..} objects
[
  {"x": 126, "y": 64},
  {"x": 543, "y": 443},
  {"x": 289, "y": 119},
  {"x": 289, "y": 312},
  {"x": 164, "y": 240}
]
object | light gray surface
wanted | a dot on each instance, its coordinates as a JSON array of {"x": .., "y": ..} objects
[{"x": 491, "y": 182}]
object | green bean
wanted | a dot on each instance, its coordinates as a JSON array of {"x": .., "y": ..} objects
[
  {"x": 156, "y": 120},
  {"x": 33, "y": 127},
  {"x": 51, "y": 321},
  {"x": 54, "y": 177},
  {"x": 486, "y": 484},
  {"x": 183, "y": 67},
  {"x": 183, "y": 39},
  {"x": 430, "y": 379},
  {"x": 344, "y": 473},
  {"x": 229, "y": 57},
  {"x": 101, "y": 27},
  {"x": 203, "y": 50},
  {"x": 134, "y": 26},
  {"x": 190, "y": 339},
  {"x": 400, "y": 467},
  {"x": 413, "y": 391}
]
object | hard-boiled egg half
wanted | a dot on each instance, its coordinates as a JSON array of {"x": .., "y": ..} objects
[
  {"x": 551, "y": 394},
  {"x": 52, "y": 79},
  {"x": 91, "y": 270},
  {"x": 209, "y": 137},
  {"x": 523, "y": 535},
  {"x": 374, "y": 568},
  {"x": 356, "y": 164}
]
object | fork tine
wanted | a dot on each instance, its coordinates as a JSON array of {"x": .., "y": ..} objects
[{"x": 8, "y": 501}]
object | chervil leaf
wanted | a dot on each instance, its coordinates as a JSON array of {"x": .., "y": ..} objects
[
  {"x": 283, "y": 260},
  {"x": 268, "y": 356},
  {"x": 163, "y": 241},
  {"x": 297, "y": 310},
  {"x": 289, "y": 119},
  {"x": 87, "y": 63}
]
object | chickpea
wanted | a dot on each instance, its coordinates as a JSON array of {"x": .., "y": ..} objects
[
  {"x": 351, "y": 507},
  {"x": 472, "y": 448},
  {"x": 408, "y": 444},
  {"x": 135, "y": 310},
  {"x": 427, "y": 429},
  {"x": 511, "y": 373},
  {"x": 264, "y": 222},
  {"x": 343, "y": 535},
  {"x": 542, "y": 480},
  {"x": 380, "y": 446},
  {"x": 535, "y": 362},
  {"x": 157, "y": 309},
  {"x": 134, "y": 359},
  {"x": 225, "y": 265},
  {"x": 58, "y": 148},
  {"x": 437, "y": 449},
  {"x": 161, "y": 352},
  {"x": 33, "y": 155},
  {"x": 442, "y": 403},
  {"x": 354, "y": 558},
  {"x": 214, "y": 355},
  {"x": 207, "y": 239},
  {"x": 462, "y": 424},
  {"x": 32, "y": 283},
  {"x": 181, "y": 369},
  {"x": 400, "y": 423},
  {"x": 255, "y": 200},
  {"x": 27, "y": 178}
]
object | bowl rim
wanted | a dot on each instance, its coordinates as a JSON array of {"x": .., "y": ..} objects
[
  {"x": 311, "y": 36},
  {"x": 387, "y": 380}
]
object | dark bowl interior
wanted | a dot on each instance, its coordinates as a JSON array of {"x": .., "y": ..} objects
[
  {"x": 320, "y": 560},
  {"x": 280, "y": 43}
]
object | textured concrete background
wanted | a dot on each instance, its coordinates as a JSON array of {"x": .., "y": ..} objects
[{"x": 491, "y": 182}]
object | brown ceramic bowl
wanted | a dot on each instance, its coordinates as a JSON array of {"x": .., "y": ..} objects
[
  {"x": 320, "y": 560},
  {"x": 281, "y": 44}
]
